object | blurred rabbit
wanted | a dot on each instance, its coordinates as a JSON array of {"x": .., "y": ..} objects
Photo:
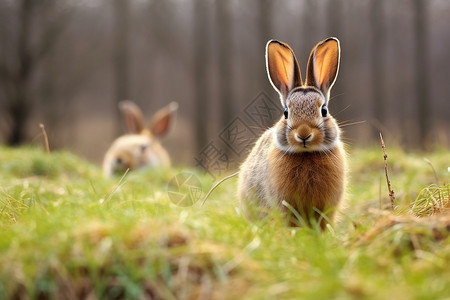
[
  {"x": 140, "y": 148},
  {"x": 298, "y": 165}
]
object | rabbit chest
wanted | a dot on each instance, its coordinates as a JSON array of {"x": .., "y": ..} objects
[{"x": 308, "y": 179}]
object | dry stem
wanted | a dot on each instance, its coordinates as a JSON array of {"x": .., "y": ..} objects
[
  {"x": 44, "y": 133},
  {"x": 391, "y": 192}
]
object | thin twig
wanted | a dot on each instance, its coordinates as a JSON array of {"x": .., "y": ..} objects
[
  {"x": 434, "y": 170},
  {"x": 391, "y": 192},
  {"x": 44, "y": 133},
  {"x": 216, "y": 185}
]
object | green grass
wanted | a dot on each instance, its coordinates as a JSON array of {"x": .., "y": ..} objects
[{"x": 66, "y": 232}]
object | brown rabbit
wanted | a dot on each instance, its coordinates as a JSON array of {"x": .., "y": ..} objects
[
  {"x": 141, "y": 148},
  {"x": 298, "y": 165}
]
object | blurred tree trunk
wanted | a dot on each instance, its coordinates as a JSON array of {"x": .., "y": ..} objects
[
  {"x": 25, "y": 49},
  {"x": 309, "y": 24},
  {"x": 265, "y": 24},
  {"x": 200, "y": 73},
  {"x": 19, "y": 107},
  {"x": 334, "y": 15},
  {"x": 225, "y": 51},
  {"x": 379, "y": 104},
  {"x": 336, "y": 11},
  {"x": 421, "y": 59},
  {"x": 121, "y": 50}
]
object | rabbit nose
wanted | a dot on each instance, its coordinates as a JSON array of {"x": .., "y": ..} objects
[{"x": 303, "y": 138}]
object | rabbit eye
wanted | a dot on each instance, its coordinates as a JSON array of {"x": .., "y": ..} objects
[
  {"x": 324, "y": 111},
  {"x": 286, "y": 113},
  {"x": 143, "y": 148},
  {"x": 119, "y": 160}
]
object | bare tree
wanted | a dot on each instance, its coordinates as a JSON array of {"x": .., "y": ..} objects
[
  {"x": 379, "y": 99},
  {"x": 334, "y": 17},
  {"x": 121, "y": 53},
  {"x": 265, "y": 24},
  {"x": 25, "y": 47},
  {"x": 225, "y": 52},
  {"x": 200, "y": 73},
  {"x": 20, "y": 75},
  {"x": 421, "y": 59},
  {"x": 309, "y": 24}
]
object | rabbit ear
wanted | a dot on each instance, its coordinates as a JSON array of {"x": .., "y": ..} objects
[
  {"x": 323, "y": 65},
  {"x": 133, "y": 116},
  {"x": 161, "y": 120},
  {"x": 282, "y": 68}
]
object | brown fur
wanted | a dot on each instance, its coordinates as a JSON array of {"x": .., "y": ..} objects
[
  {"x": 299, "y": 165},
  {"x": 305, "y": 180},
  {"x": 308, "y": 180}
]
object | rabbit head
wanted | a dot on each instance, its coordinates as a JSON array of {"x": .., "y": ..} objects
[
  {"x": 308, "y": 125},
  {"x": 141, "y": 147}
]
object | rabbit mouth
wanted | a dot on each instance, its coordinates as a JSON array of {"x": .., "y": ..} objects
[{"x": 304, "y": 140}]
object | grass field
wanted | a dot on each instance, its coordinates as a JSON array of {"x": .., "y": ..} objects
[{"x": 68, "y": 233}]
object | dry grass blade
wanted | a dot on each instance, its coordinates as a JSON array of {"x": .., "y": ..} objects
[
  {"x": 44, "y": 133},
  {"x": 391, "y": 192},
  {"x": 432, "y": 168},
  {"x": 216, "y": 185}
]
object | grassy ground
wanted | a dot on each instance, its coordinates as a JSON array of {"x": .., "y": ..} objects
[{"x": 66, "y": 232}]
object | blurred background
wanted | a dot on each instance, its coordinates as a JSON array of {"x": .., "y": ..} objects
[{"x": 67, "y": 63}]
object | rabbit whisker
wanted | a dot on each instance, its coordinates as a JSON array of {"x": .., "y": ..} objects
[{"x": 343, "y": 124}]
